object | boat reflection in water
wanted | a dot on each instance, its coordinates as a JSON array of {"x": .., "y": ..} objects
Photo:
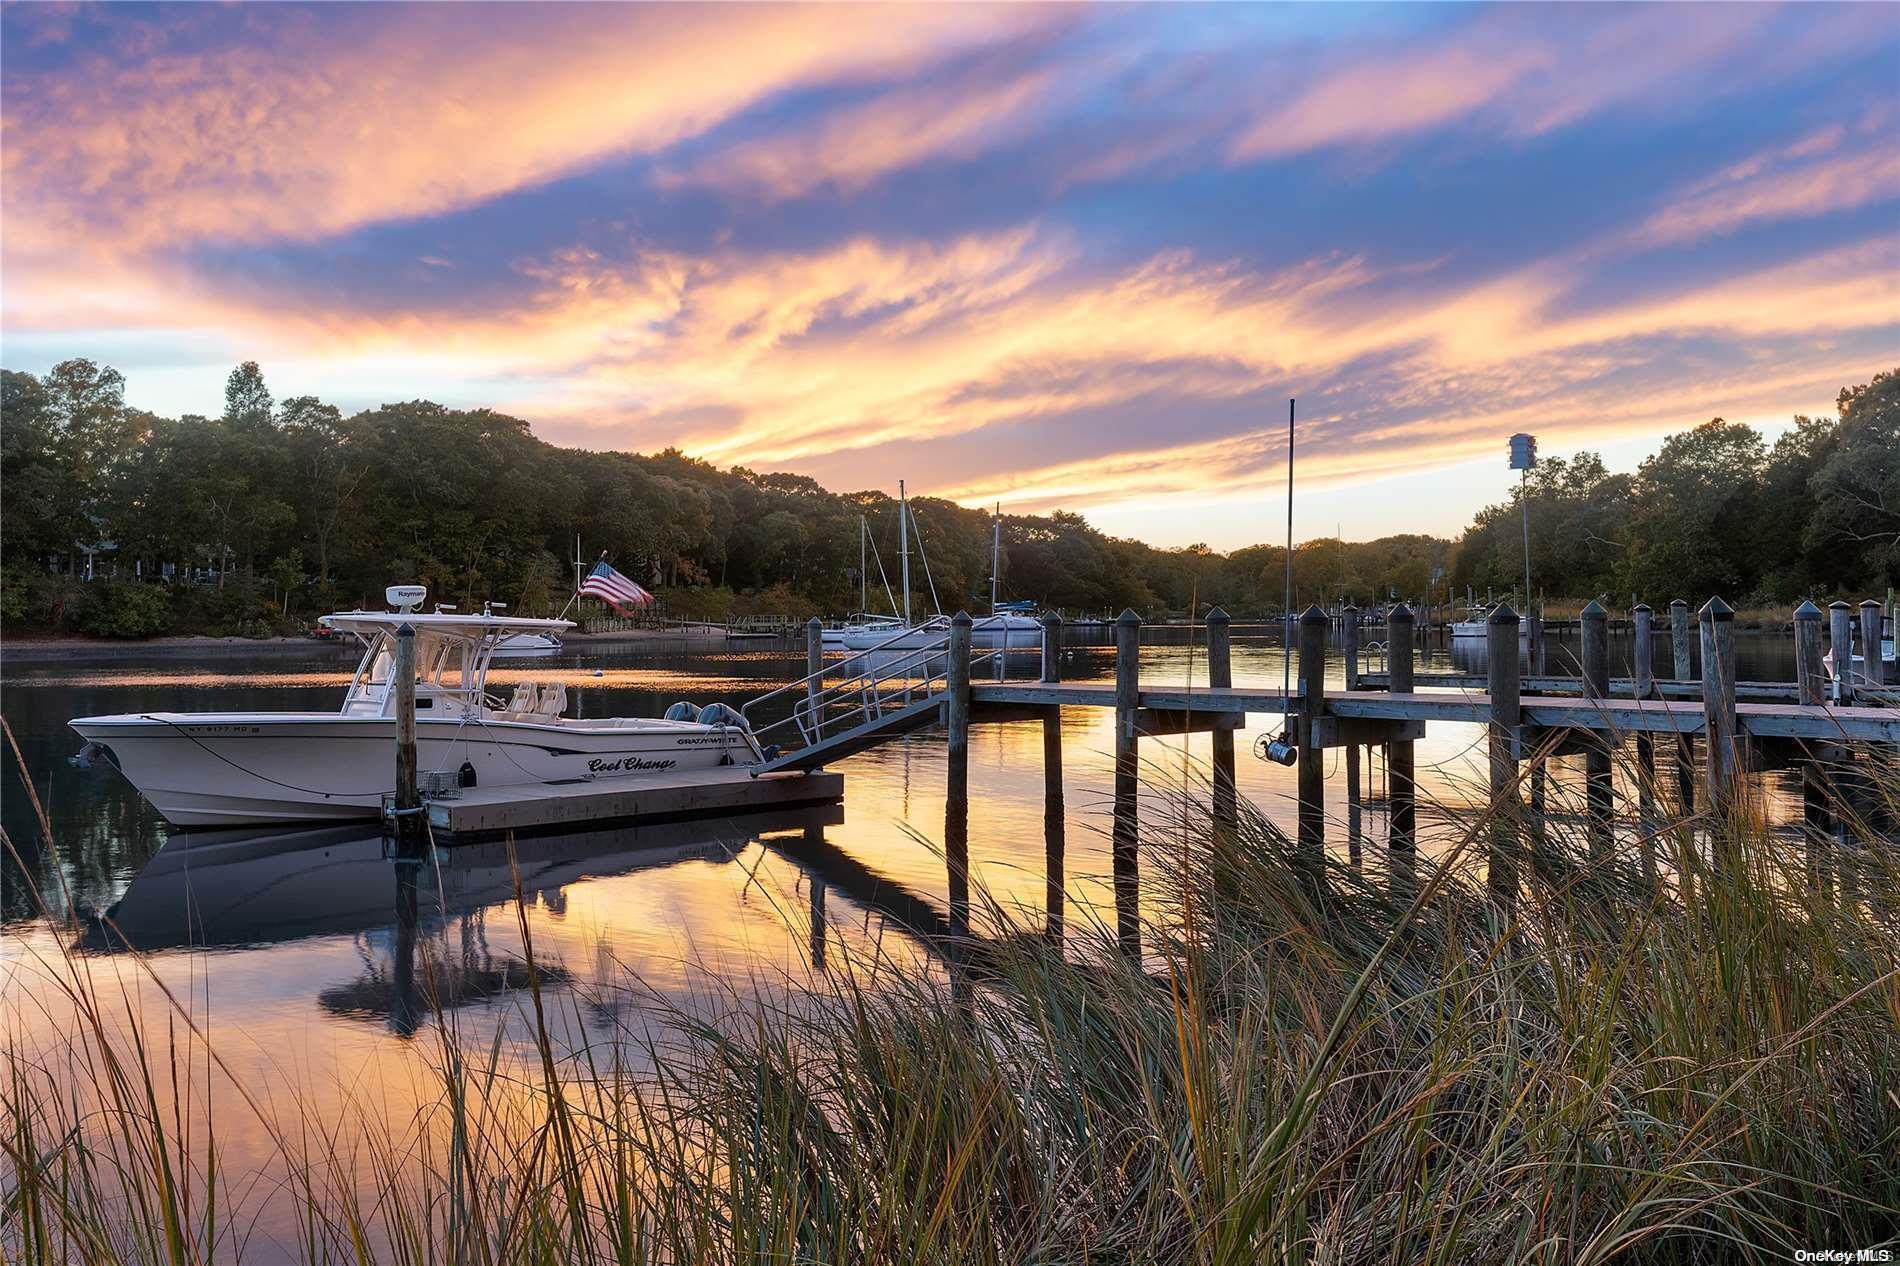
[{"x": 420, "y": 925}]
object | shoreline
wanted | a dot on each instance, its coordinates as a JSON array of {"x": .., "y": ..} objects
[{"x": 42, "y": 650}]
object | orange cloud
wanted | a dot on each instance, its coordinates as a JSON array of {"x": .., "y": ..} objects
[{"x": 292, "y": 136}]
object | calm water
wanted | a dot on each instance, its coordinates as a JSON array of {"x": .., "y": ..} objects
[{"x": 301, "y": 955}]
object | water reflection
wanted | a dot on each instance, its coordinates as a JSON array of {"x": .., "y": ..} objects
[{"x": 419, "y": 927}]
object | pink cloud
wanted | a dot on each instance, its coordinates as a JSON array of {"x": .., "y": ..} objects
[{"x": 298, "y": 134}]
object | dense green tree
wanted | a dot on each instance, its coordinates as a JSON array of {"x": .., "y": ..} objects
[
  {"x": 1696, "y": 521},
  {"x": 1857, "y": 485},
  {"x": 470, "y": 503}
]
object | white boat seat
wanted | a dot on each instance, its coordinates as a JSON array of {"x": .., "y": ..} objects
[
  {"x": 553, "y": 700},
  {"x": 523, "y": 701}
]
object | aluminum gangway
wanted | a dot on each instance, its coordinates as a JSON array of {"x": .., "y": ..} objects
[{"x": 853, "y": 704}]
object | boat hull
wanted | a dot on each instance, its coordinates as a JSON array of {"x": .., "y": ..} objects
[
  {"x": 1476, "y": 630},
  {"x": 232, "y": 769},
  {"x": 990, "y": 632}
]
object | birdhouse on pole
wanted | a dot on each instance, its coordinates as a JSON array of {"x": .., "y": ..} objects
[{"x": 1523, "y": 451}]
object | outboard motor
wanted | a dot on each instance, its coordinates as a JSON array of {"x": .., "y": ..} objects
[
  {"x": 720, "y": 714},
  {"x": 683, "y": 711}
]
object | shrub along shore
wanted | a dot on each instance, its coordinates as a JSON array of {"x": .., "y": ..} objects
[{"x": 1304, "y": 1065}]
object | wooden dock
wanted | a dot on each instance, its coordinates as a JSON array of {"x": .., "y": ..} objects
[
  {"x": 486, "y": 812},
  {"x": 1658, "y": 716},
  {"x": 1832, "y": 724}
]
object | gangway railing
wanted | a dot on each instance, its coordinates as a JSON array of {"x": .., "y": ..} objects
[{"x": 862, "y": 689}]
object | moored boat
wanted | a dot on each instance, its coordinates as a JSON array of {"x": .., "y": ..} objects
[{"x": 231, "y": 768}]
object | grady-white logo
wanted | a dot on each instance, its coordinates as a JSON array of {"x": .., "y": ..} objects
[{"x": 627, "y": 764}]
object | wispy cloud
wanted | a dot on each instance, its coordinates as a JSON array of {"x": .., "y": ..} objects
[
  {"x": 1832, "y": 169},
  {"x": 1058, "y": 256}
]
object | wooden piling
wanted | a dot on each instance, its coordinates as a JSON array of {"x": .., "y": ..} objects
[
  {"x": 1811, "y": 681},
  {"x": 1840, "y": 619},
  {"x": 1721, "y": 754},
  {"x": 1870, "y": 639},
  {"x": 408, "y": 801},
  {"x": 1643, "y": 670},
  {"x": 956, "y": 801},
  {"x": 1312, "y": 759},
  {"x": 1349, "y": 640},
  {"x": 1598, "y": 788},
  {"x": 1684, "y": 665},
  {"x": 1220, "y": 676},
  {"x": 1350, "y": 637},
  {"x": 1504, "y": 685},
  {"x": 814, "y": 673},
  {"x": 1401, "y": 792},
  {"x": 1127, "y": 758},
  {"x": 1054, "y": 814}
]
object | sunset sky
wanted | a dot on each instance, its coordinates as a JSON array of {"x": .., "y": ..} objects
[{"x": 1065, "y": 257}]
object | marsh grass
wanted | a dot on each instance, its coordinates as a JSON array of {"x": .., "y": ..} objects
[{"x": 1681, "y": 1049}]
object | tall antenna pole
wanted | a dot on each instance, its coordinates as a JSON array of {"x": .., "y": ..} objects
[
  {"x": 903, "y": 543},
  {"x": 996, "y": 553}
]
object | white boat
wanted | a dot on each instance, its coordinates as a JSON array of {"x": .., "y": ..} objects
[
  {"x": 1007, "y": 631},
  {"x": 231, "y": 768},
  {"x": 1857, "y": 667},
  {"x": 1002, "y": 629},
  {"x": 529, "y": 646},
  {"x": 1477, "y": 624}
]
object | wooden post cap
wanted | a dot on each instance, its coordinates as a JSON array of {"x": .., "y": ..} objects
[
  {"x": 1716, "y": 609},
  {"x": 1216, "y": 616},
  {"x": 1807, "y": 611},
  {"x": 1400, "y": 614},
  {"x": 1502, "y": 614}
]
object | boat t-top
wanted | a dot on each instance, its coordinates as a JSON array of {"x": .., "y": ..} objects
[{"x": 230, "y": 768}]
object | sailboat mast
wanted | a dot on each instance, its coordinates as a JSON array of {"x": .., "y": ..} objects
[
  {"x": 903, "y": 542},
  {"x": 864, "y": 573},
  {"x": 996, "y": 553}
]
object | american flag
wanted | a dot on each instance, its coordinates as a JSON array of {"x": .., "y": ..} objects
[{"x": 614, "y": 589}]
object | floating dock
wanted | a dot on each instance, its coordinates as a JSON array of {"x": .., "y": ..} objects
[{"x": 484, "y": 812}]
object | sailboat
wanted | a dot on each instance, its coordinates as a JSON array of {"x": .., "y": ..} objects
[
  {"x": 862, "y": 623},
  {"x": 1007, "y": 626}
]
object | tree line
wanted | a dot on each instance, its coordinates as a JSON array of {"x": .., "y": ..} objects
[
  {"x": 1715, "y": 510},
  {"x": 121, "y": 522}
]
